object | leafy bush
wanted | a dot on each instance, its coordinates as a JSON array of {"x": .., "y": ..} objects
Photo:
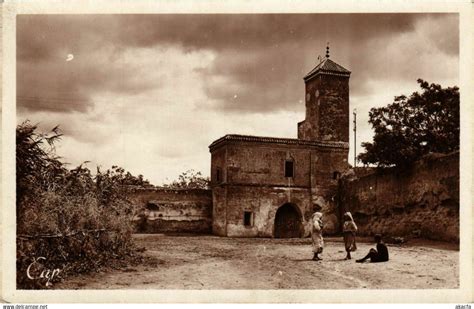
[
  {"x": 72, "y": 220},
  {"x": 189, "y": 180}
]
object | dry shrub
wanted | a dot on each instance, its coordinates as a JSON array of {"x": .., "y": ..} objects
[{"x": 68, "y": 220}]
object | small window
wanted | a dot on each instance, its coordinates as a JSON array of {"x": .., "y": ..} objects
[
  {"x": 248, "y": 218},
  {"x": 289, "y": 168},
  {"x": 218, "y": 175},
  {"x": 336, "y": 175}
]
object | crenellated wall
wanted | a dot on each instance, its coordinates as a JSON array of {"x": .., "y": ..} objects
[{"x": 422, "y": 201}]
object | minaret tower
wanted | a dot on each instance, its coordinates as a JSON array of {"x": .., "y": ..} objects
[{"x": 327, "y": 103}]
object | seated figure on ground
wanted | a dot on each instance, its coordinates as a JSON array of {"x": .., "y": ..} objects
[{"x": 376, "y": 255}]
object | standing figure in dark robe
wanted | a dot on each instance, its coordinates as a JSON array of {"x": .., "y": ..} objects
[{"x": 376, "y": 255}]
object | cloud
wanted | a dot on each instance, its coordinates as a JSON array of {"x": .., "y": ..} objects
[
  {"x": 442, "y": 30},
  {"x": 47, "y": 81},
  {"x": 254, "y": 31},
  {"x": 146, "y": 132},
  {"x": 259, "y": 58}
]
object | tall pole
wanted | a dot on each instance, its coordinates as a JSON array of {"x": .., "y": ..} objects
[{"x": 355, "y": 137}]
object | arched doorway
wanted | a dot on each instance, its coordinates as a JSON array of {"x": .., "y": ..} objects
[{"x": 287, "y": 222}]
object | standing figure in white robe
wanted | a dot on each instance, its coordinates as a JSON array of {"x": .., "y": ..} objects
[
  {"x": 349, "y": 230},
  {"x": 317, "y": 235}
]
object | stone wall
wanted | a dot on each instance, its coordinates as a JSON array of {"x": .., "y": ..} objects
[
  {"x": 173, "y": 210},
  {"x": 219, "y": 210},
  {"x": 262, "y": 164},
  {"x": 252, "y": 179},
  {"x": 263, "y": 203},
  {"x": 422, "y": 201},
  {"x": 326, "y": 171}
]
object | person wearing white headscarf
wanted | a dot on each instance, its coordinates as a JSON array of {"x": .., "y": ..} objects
[
  {"x": 317, "y": 235},
  {"x": 349, "y": 230}
]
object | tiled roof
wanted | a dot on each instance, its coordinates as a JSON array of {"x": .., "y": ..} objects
[
  {"x": 327, "y": 66},
  {"x": 276, "y": 140}
]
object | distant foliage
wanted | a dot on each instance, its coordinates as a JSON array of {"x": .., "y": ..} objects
[
  {"x": 190, "y": 180},
  {"x": 75, "y": 220},
  {"x": 411, "y": 127}
]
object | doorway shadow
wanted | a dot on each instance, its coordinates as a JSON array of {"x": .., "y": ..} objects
[{"x": 288, "y": 222}]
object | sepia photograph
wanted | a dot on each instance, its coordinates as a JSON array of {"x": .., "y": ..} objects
[{"x": 238, "y": 151}]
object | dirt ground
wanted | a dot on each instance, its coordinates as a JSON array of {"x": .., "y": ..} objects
[{"x": 211, "y": 262}]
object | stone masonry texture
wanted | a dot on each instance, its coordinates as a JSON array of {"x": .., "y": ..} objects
[
  {"x": 253, "y": 180},
  {"x": 172, "y": 210},
  {"x": 327, "y": 109},
  {"x": 420, "y": 202}
]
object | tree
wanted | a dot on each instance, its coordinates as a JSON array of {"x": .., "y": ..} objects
[
  {"x": 411, "y": 127},
  {"x": 190, "y": 180}
]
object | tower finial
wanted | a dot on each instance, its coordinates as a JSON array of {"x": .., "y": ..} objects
[{"x": 327, "y": 51}]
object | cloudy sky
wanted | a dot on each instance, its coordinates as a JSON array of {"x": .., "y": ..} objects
[{"x": 151, "y": 92}]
